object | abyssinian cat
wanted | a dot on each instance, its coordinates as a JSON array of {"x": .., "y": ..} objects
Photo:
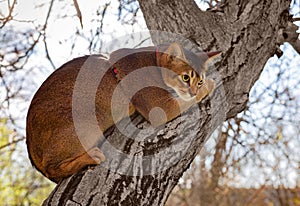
[{"x": 176, "y": 78}]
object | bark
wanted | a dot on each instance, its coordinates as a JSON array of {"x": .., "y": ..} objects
[{"x": 248, "y": 33}]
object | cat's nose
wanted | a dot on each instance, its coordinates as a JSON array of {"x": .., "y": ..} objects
[{"x": 193, "y": 91}]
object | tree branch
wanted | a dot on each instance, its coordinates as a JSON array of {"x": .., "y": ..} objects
[
  {"x": 12, "y": 142},
  {"x": 9, "y": 16},
  {"x": 289, "y": 34},
  {"x": 296, "y": 19},
  {"x": 78, "y": 12}
]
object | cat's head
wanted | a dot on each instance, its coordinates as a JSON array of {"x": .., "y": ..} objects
[{"x": 185, "y": 72}]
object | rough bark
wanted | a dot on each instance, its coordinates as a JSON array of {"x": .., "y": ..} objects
[{"x": 248, "y": 33}]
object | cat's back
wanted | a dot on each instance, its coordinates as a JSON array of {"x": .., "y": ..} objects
[
  {"x": 58, "y": 87},
  {"x": 53, "y": 100}
]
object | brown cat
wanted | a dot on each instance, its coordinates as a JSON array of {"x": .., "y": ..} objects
[{"x": 167, "y": 81}]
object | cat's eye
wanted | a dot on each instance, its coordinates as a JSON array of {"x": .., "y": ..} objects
[
  {"x": 200, "y": 82},
  {"x": 185, "y": 78}
]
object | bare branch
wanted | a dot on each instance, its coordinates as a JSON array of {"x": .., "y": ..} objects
[
  {"x": 296, "y": 19},
  {"x": 290, "y": 35},
  {"x": 296, "y": 45},
  {"x": 78, "y": 12},
  {"x": 47, "y": 53},
  {"x": 9, "y": 16},
  {"x": 12, "y": 142}
]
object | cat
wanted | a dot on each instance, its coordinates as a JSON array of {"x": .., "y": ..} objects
[{"x": 168, "y": 77}]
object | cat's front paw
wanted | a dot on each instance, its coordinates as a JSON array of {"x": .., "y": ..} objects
[
  {"x": 97, "y": 155},
  {"x": 157, "y": 117}
]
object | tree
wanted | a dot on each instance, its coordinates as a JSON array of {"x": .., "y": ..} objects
[{"x": 248, "y": 33}]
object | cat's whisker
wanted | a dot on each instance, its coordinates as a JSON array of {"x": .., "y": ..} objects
[{"x": 206, "y": 87}]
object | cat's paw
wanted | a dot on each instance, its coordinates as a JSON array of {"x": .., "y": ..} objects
[
  {"x": 157, "y": 117},
  {"x": 97, "y": 155}
]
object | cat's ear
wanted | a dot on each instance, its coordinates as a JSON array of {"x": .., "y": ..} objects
[
  {"x": 207, "y": 55},
  {"x": 175, "y": 50},
  {"x": 211, "y": 58},
  {"x": 214, "y": 54}
]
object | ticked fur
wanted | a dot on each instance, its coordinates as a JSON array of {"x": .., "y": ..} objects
[{"x": 53, "y": 144}]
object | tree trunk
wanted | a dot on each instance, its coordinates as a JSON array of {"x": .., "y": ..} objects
[{"x": 248, "y": 33}]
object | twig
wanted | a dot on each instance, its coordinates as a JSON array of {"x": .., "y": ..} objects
[
  {"x": 47, "y": 53},
  {"x": 12, "y": 142},
  {"x": 9, "y": 16},
  {"x": 44, "y": 33},
  {"x": 48, "y": 15},
  {"x": 296, "y": 19},
  {"x": 78, "y": 12},
  {"x": 255, "y": 195},
  {"x": 290, "y": 35}
]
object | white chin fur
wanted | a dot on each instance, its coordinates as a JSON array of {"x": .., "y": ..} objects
[
  {"x": 185, "y": 96},
  {"x": 189, "y": 98}
]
